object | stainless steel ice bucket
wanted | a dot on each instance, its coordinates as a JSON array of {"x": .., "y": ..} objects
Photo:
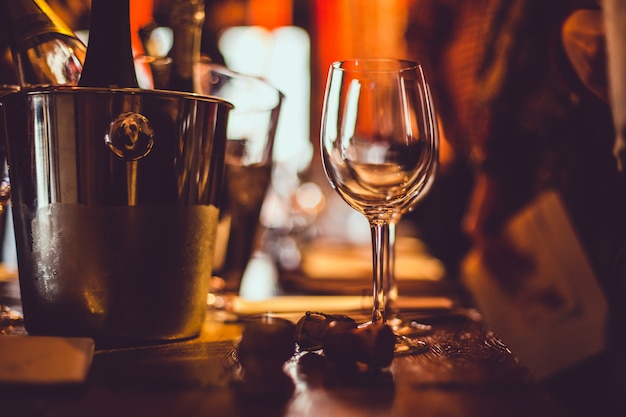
[{"x": 115, "y": 198}]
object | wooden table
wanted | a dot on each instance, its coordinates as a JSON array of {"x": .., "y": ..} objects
[{"x": 466, "y": 371}]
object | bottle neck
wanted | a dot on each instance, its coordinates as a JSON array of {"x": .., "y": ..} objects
[
  {"x": 186, "y": 19},
  {"x": 109, "y": 61}
]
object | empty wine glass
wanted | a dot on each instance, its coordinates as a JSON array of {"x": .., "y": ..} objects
[{"x": 378, "y": 143}]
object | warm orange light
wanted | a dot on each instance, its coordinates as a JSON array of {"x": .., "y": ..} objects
[
  {"x": 270, "y": 14},
  {"x": 140, "y": 14},
  {"x": 333, "y": 27},
  {"x": 446, "y": 150},
  {"x": 358, "y": 29}
]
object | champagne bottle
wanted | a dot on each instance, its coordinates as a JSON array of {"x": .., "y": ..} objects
[
  {"x": 109, "y": 62},
  {"x": 44, "y": 50},
  {"x": 186, "y": 19}
]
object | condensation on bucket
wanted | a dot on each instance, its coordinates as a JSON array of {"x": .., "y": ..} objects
[{"x": 115, "y": 272}]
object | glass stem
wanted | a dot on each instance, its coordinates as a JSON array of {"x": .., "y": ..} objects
[
  {"x": 380, "y": 250},
  {"x": 391, "y": 285}
]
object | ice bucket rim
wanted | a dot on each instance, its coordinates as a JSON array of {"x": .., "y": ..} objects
[{"x": 52, "y": 90}]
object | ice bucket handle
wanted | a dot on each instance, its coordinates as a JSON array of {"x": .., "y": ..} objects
[{"x": 130, "y": 136}]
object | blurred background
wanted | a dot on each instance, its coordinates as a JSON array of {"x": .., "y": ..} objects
[{"x": 291, "y": 44}]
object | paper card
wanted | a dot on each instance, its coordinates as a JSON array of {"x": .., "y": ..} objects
[
  {"x": 44, "y": 359},
  {"x": 558, "y": 316}
]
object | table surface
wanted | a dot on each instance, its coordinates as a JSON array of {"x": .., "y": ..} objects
[{"x": 466, "y": 371}]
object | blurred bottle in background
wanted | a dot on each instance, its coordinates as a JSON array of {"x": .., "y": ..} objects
[
  {"x": 186, "y": 19},
  {"x": 44, "y": 49}
]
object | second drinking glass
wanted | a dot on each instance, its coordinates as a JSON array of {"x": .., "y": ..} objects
[{"x": 250, "y": 135}]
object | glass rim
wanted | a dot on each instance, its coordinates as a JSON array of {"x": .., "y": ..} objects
[
  {"x": 223, "y": 70},
  {"x": 380, "y": 65}
]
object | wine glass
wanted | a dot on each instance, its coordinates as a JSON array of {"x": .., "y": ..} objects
[{"x": 378, "y": 135}]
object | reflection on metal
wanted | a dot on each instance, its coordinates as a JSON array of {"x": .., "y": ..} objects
[{"x": 130, "y": 136}]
